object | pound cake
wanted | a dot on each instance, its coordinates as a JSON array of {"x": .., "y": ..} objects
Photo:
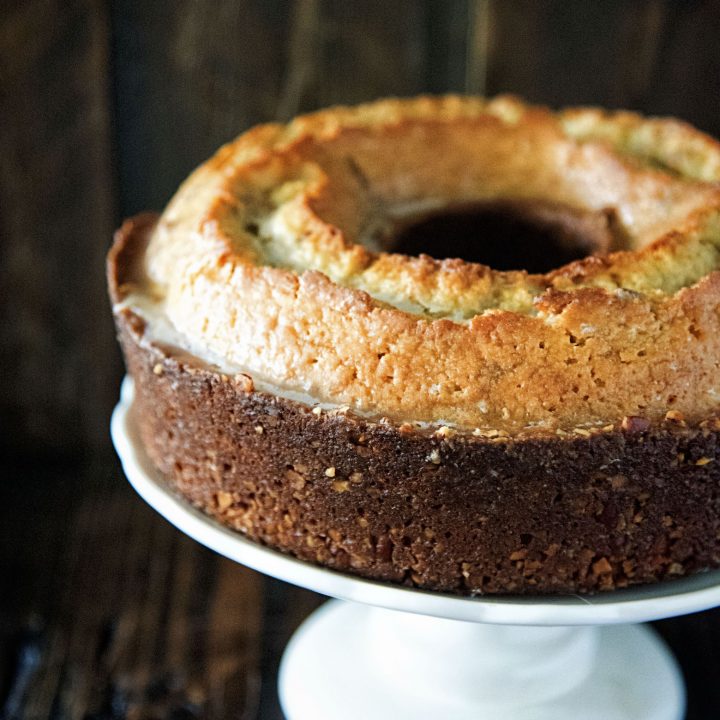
[{"x": 465, "y": 345}]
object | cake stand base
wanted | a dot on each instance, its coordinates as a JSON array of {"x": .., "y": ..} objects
[{"x": 353, "y": 661}]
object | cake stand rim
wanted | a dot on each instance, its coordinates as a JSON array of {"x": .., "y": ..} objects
[{"x": 641, "y": 604}]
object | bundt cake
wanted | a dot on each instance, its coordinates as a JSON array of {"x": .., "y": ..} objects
[{"x": 532, "y": 407}]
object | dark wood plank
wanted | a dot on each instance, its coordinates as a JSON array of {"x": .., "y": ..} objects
[
  {"x": 479, "y": 33},
  {"x": 370, "y": 49},
  {"x": 303, "y": 66},
  {"x": 129, "y": 618},
  {"x": 584, "y": 52},
  {"x": 686, "y": 82},
  {"x": 654, "y": 56},
  {"x": 57, "y": 357},
  {"x": 188, "y": 77}
]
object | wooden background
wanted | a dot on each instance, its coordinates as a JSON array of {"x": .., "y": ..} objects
[{"x": 105, "y": 611}]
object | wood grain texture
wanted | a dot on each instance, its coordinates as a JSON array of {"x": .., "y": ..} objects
[
  {"x": 582, "y": 52},
  {"x": 57, "y": 361},
  {"x": 686, "y": 81},
  {"x": 370, "y": 49},
  {"x": 653, "y": 56},
  {"x": 188, "y": 77},
  {"x": 130, "y": 619}
]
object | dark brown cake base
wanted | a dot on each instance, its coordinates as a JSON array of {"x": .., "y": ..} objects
[{"x": 571, "y": 513}]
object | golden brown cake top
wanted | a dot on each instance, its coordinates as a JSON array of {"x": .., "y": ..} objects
[{"x": 274, "y": 258}]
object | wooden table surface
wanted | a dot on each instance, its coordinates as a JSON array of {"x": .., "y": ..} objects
[{"x": 107, "y": 612}]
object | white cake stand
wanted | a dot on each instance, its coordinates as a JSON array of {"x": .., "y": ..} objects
[{"x": 395, "y": 653}]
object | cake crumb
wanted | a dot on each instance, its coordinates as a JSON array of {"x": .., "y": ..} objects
[
  {"x": 356, "y": 477},
  {"x": 330, "y": 472},
  {"x": 633, "y": 423},
  {"x": 259, "y": 429},
  {"x": 158, "y": 369},
  {"x": 224, "y": 500},
  {"x": 602, "y": 566},
  {"x": 703, "y": 461},
  {"x": 434, "y": 457},
  {"x": 445, "y": 431},
  {"x": 334, "y": 535},
  {"x": 317, "y": 410},
  {"x": 245, "y": 382},
  {"x": 489, "y": 433},
  {"x": 341, "y": 486},
  {"x": 675, "y": 416},
  {"x": 296, "y": 479}
]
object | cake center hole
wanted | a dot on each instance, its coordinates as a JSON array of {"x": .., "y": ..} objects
[{"x": 508, "y": 235}]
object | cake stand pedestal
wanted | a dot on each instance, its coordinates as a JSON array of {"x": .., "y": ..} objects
[{"x": 395, "y": 653}]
